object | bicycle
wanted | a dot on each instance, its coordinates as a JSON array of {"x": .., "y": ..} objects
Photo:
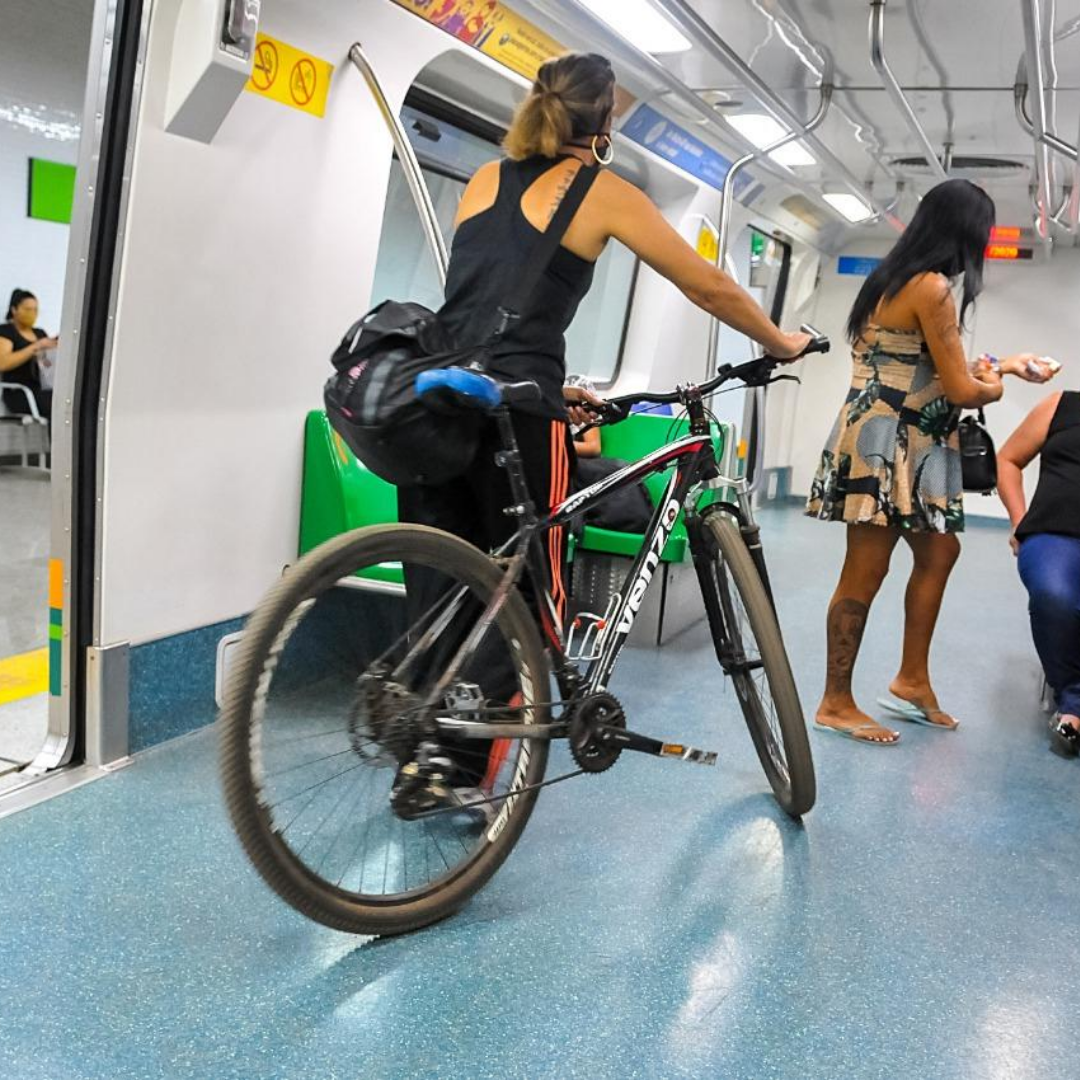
[{"x": 339, "y": 680}]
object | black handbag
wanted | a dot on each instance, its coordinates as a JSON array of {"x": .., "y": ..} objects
[
  {"x": 978, "y": 458},
  {"x": 371, "y": 399}
]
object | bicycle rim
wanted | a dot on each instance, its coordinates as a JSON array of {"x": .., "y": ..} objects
[{"x": 327, "y": 701}]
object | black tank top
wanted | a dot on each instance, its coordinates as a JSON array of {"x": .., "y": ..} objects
[
  {"x": 1056, "y": 506},
  {"x": 487, "y": 255}
]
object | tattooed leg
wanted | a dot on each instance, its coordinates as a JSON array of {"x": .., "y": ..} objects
[
  {"x": 869, "y": 552},
  {"x": 847, "y": 620}
]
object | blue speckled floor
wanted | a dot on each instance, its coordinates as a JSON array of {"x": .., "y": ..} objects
[{"x": 662, "y": 921}]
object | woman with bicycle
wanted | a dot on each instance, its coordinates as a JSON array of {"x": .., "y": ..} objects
[
  {"x": 891, "y": 467},
  {"x": 563, "y": 126},
  {"x": 382, "y": 753}
]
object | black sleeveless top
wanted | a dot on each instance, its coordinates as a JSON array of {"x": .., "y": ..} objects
[
  {"x": 27, "y": 373},
  {"x": 1056, "y": 506},
  {"x": 487, "y": 255}
]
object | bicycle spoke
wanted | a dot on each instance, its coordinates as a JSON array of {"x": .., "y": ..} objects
[{"x": 350, "y": 693}]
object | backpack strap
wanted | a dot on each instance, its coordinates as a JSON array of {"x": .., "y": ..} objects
[{"x": 520, "y": 297}]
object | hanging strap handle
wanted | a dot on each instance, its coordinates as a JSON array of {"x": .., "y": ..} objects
[{"x": 520, "y": 298}]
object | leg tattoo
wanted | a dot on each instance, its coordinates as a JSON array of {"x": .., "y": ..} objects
[{"x": 847, "y": 620}]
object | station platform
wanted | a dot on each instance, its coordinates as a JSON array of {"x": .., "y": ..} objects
[{"x": 662, "y": 921}]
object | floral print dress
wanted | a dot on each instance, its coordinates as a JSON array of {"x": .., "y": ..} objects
[{"x": 893, "y": 457}]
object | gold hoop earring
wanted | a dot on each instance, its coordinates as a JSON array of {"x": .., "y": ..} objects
[{"x": 609, "y": 156}]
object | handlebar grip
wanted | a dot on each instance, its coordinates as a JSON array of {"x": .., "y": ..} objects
[{"x": 820, "y": 343}]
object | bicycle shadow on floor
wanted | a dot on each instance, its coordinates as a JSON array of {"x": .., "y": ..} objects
[{"x": 743, "y": 853}]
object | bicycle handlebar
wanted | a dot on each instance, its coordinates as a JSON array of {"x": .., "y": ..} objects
[{"x": 756, "y": 372}]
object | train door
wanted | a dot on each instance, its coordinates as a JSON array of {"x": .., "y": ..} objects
[
  {"x": 68, "y": 102},
  {"x": 43, "y": 83}
]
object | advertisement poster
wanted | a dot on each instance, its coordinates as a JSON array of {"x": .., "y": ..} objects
[{"x": 491, "y": 27}]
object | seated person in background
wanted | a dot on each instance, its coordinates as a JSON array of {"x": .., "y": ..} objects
[
  {"x": 1046, "y": 540},
  {"x": 587, "y": 443},
  {"x": 22, "y": 350},
  {"x": 627, "y": 510}
]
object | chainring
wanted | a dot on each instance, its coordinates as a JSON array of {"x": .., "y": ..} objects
[{"x": 590, "y": 750}]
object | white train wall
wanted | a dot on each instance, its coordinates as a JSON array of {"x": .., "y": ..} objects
[{"x": 243, "y": 261}]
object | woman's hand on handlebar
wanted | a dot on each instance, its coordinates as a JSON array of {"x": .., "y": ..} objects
[
  {"x": 789, "y": 347},
  {"x": 582, "y": 405}
]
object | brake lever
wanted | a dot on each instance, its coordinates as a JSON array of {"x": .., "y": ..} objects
[{"x": 608, "y": 413}]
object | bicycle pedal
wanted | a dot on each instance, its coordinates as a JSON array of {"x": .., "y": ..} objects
[{"x": 688, "y": 753}]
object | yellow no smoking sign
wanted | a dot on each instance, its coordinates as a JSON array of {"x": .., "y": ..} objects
[{"x": 290, "y": 75}]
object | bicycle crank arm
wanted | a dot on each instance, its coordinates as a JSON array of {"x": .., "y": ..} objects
[
  {"x": 480, "y": 729},
  {"x": 631, "y": 740}
]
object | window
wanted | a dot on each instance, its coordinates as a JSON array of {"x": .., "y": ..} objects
[{"x": 405, "y": 270}]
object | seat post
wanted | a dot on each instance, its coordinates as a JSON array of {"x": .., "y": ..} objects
[{"x": 509, "y": 458}]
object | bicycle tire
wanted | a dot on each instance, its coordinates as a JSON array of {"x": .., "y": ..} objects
[
  {"x": 279, "y": 867},
  {"x": 791, "y": 776}
]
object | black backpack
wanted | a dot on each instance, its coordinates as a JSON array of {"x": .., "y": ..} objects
[{"x": 371, "y": 400}]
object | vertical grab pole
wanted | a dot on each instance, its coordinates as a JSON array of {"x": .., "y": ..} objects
[
  {"x": 410, "y": 166},
  {"x": 727, "y": 197}
]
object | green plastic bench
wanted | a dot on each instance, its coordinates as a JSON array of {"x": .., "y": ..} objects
[
  {"x": 638, "y": 435},
  {"x": 340, "y": 494}
]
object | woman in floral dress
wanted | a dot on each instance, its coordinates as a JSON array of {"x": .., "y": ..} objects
[{"x": 891, "y": 467}]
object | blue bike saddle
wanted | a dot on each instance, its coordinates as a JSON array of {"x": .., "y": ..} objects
[{"x": 473, "y": 389}]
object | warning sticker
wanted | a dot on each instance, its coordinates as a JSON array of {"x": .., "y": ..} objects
[
  {"x": 290, "y": 76},
  {"x": 707, "y": 246}
]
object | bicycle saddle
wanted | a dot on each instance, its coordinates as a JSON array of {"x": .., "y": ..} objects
[{"x": 456, "y": 386}]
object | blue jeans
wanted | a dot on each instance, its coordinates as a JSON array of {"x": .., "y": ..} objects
[{"x": 1050, "y": 571}]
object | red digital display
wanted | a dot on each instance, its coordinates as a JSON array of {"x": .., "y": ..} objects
[
  {"x": 1004, "y": 232},
  {"x": 1007, "y": 252}
]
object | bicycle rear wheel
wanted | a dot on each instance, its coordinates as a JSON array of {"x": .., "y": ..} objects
[
  {"x": 329, "y": 699},
  {"x": 750, "y": 646}
]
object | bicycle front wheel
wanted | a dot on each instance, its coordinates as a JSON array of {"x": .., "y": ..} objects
[
  {"x": 752, "y": 650},
  {"x": 336, "y": 699}
]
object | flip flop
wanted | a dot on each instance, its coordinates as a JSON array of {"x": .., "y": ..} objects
[
  {"x": 850, "y": 733},
  {"x": 906, "y": 710}
]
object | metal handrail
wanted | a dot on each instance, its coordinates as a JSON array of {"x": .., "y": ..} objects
[
  {"x": 681, "y": 92},
  {"x": 429, "y": 222},
  {"x": 690, "y": 21},
  {"x": 33, "y": 414},
  {"x": 881, "y": 66},
  {"x": 1040, "y": 128},
  {"x": 1023, "y": 115},
  {"x": 727, "y": 194}
]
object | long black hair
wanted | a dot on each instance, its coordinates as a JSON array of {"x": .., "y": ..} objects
[
  {"x": 948, "y": 235},
  {"x": 17, "y": 297}
]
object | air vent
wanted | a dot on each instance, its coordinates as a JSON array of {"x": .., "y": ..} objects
[
  {"x": 965, "y": 165},
  {"x": 799, "y": 206}
]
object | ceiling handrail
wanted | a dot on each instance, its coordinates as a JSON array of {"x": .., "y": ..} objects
[
  {"x": 693, "y": 24},
  {"x": 881, "y": 66},
  {"x": 1045, "y": 140},
  {"x": 684, "y": 94}
]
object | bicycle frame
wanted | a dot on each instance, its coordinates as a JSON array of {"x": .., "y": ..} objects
[{"x": 695, "y": 469}]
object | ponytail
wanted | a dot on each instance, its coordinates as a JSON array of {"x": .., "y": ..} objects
[
  {"x": 572, "y": 98},
  {"x": 17, "y": 297}
]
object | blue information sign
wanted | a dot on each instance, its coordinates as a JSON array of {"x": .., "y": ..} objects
[
  {"x": 662, "y": 136},
  {"x": 859, "y": 265}
]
